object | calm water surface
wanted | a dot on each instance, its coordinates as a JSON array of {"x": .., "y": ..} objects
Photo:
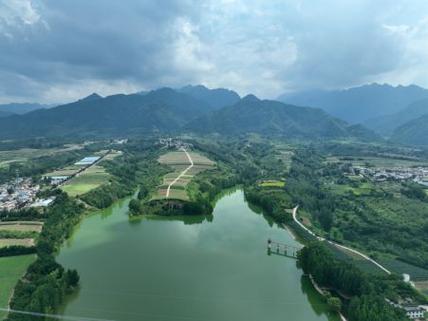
[{"x": 186, "y": 268}]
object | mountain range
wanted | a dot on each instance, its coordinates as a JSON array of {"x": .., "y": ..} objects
[
  {"x": 170, "y": 111},
  {"x": 359, "y": 104}
]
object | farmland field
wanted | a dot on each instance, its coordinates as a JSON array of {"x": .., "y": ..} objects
[
  {"x": 22, "y": 242},
  {"x": 66, "y": 171},
  {"x": 21, "y": 226},
  {"x": 11, "y": 270},
  {"x": 112, "y": 155},
  {"x": 25, "y": 154},
  {"x": 89, "y": 179},
  {"x": 378, "y": 161},
  {"x": 178, "y": 161}
]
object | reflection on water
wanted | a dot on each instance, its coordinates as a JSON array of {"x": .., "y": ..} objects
[{"x": 212, "y": 268}]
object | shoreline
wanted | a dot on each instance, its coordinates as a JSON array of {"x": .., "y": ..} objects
[{"x": 321, "y": 292}]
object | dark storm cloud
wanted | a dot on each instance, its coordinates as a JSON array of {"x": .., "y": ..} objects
[
  {"x": 59, "y": 50},
  {"x": 89, "y": 40}
]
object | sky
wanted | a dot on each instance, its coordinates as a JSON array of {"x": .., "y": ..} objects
[{"x": 54, "y": 51}]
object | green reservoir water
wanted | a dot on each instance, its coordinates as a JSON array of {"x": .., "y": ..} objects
[{"x": 186, "y": 268}]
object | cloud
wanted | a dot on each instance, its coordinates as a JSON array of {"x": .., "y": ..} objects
[{"x": 60, "y": 50}]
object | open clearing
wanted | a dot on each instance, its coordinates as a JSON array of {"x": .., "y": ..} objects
[
  {"x": 112, "y": 155},
  {"x": 25, "y": 154},
  {"x": 21, "y": 242},
  {"x": 179, "y": 162},
  {"x": 21, "y": 226},
  {"x": 66, "y": 171},
  {"x": 89, "y": 179},
  {"x": 12, "y": 268},
  {"x": 422, "y": 286}
]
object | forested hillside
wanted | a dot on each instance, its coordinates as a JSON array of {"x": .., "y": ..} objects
[{"x": 268, "y": 117}]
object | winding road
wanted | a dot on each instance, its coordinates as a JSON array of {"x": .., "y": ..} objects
[
  {"x": 337, "y": 244},
  {"x": 182, "y": 173}
]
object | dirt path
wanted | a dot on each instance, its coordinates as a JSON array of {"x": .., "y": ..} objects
[
  {"x": 182, "y": 173},
  {"x": 338, "y": 245}
]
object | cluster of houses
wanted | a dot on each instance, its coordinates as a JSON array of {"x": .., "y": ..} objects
[
  {"x": 174, "y": 143},
  {"x": 17, "y": 194},
  {"x": 412, "y": 312},
  {"x": 416, "y": 174}
]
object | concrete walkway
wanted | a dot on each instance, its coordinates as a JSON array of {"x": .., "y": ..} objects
[
  {"x": 182, "y": 173},
  {"x": 337, "y": 244}
]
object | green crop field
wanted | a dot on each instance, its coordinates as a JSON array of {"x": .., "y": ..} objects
[
  {"x": 89, "y": 179},
  {"x": 11, "y": 270},
  {"x": 272, "y": 183}
]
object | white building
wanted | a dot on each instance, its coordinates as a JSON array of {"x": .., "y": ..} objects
[{"x": 414, "y": 312}]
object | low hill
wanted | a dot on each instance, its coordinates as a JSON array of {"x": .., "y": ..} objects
[
  {"x": 359, "y": 104},
  {"x": 251, "y": 115},
  {"x": 385, "y": 125},
  {"x": 414, "y": 132},
  {"x": 160, "y": 110},
  {"x": 216, "y": 98},
  {"x": 20, "y": 108},
  {"x": 5, "y": 113}
]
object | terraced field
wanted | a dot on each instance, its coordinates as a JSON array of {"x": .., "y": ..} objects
[{"x": 179, "y": 161}]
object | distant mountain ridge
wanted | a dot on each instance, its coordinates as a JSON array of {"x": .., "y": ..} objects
[
  {"x": 359, "y": 104},
  {"x": 413, "y": 132},
  {"x": 172, "y": 111},
  {"x": 386, "y": 125},
  {"x": 160, "y": 110}
]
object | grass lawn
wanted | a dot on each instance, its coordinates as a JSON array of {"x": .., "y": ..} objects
[
  {"x": 91, "y": 178},
  {"x": 12, "y": 268}
]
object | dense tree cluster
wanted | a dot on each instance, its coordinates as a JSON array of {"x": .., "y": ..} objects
[
  {"x": 46, "y": 282},
  {"x": 368, "y": 291},
  {"x": 306, "y": 190},
  {"x": 273, "y": 202}
]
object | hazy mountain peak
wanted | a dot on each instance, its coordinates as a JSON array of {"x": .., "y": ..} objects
[
  {"x": 359, "y": 104},
  {"x": 93, "y": 96},
  {"x": 250, "y": 98}
]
